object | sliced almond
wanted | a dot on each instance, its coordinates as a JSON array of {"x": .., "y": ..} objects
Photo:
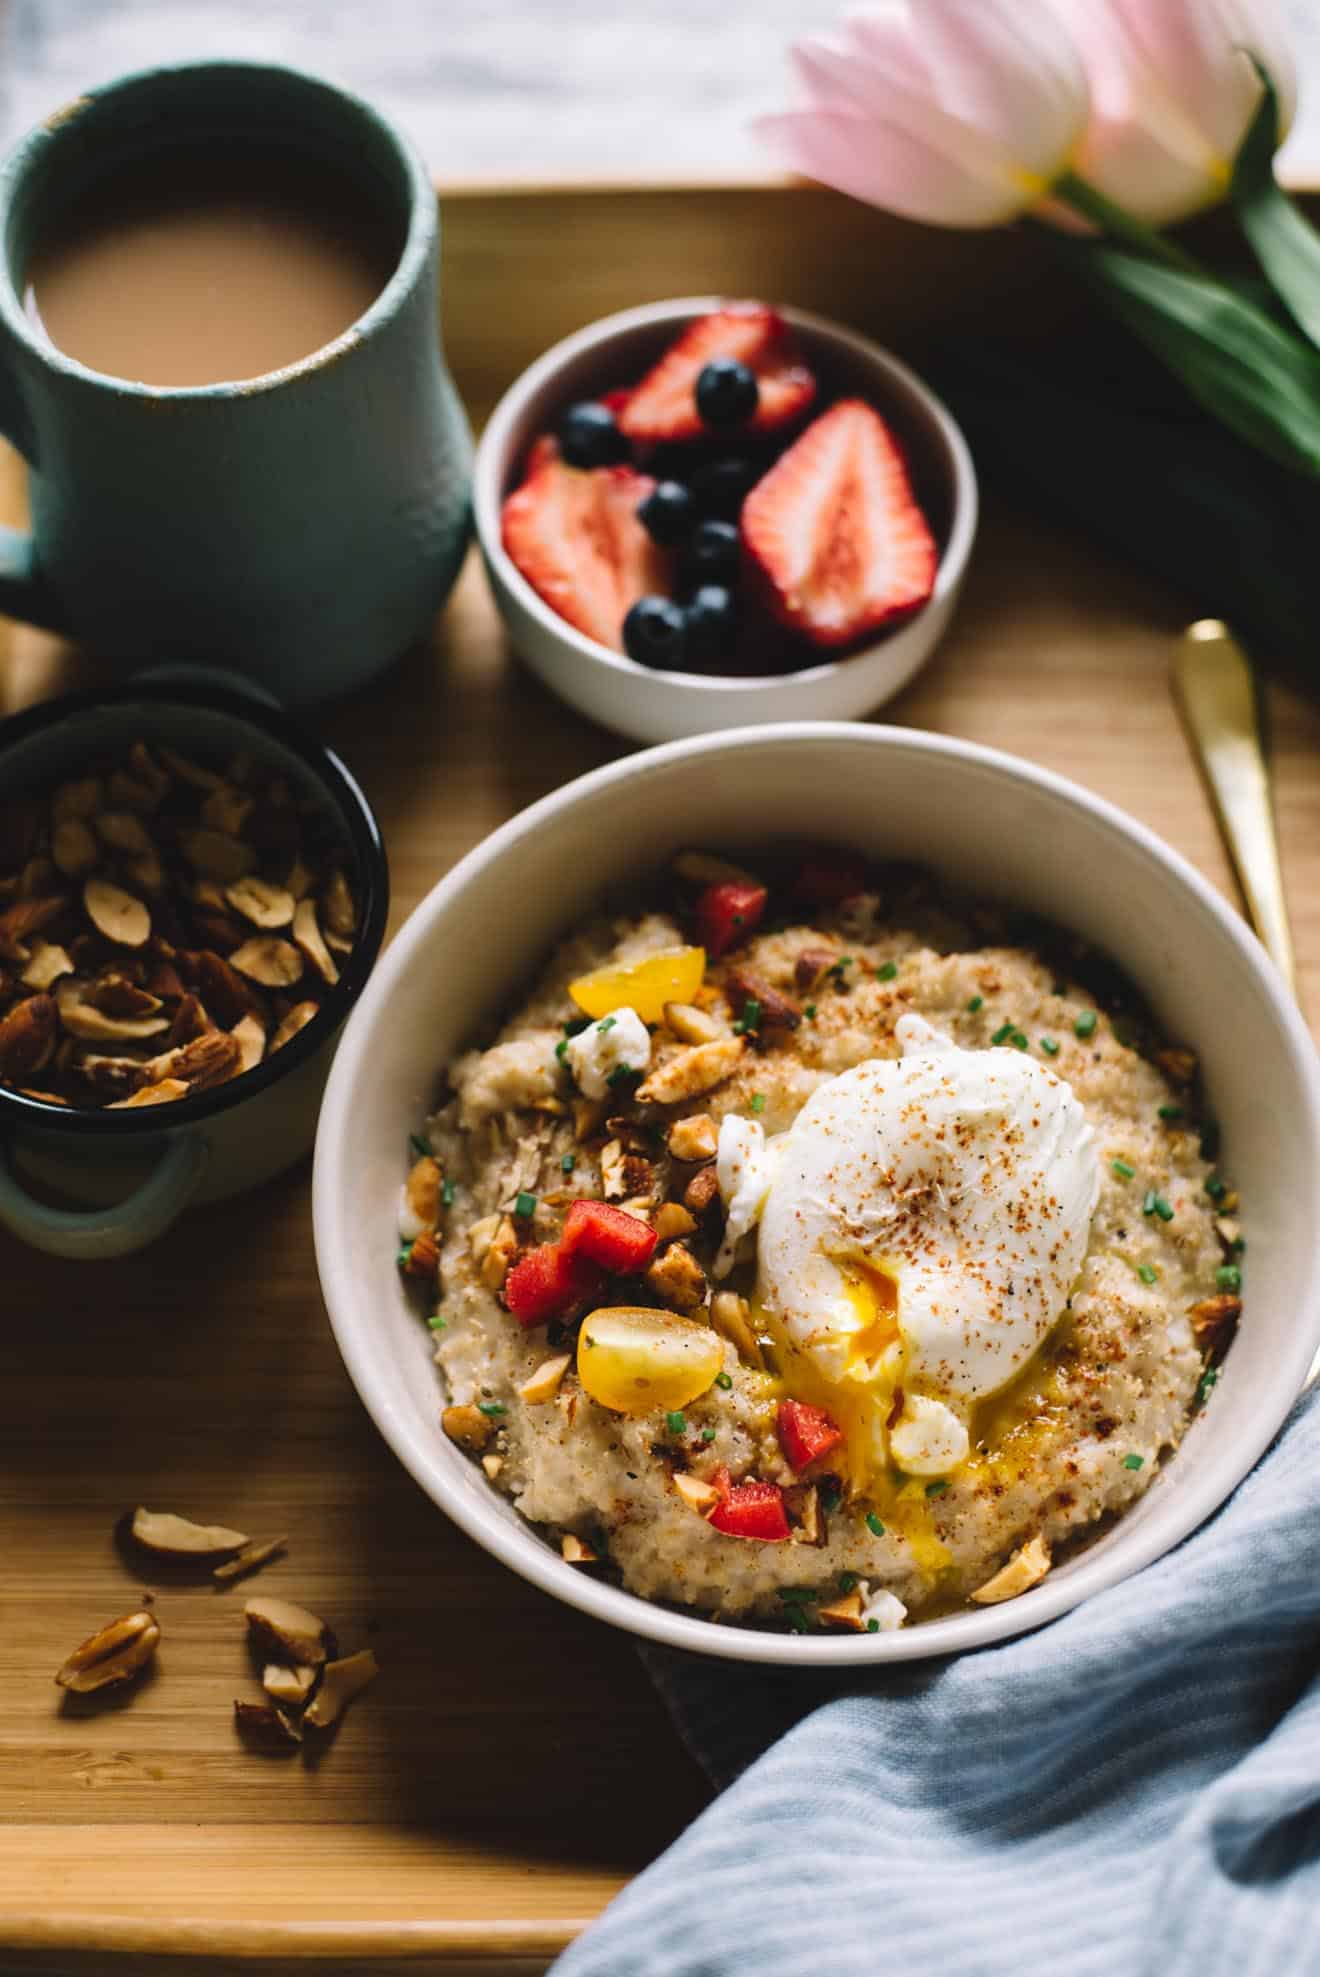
[
  {"x": 307, "y": 934},
  {"x": 223, "y": 989},
  {"x": 693, "y": 1138},
  {"x": 338, "y": 908},
  {"x": 208, "y": 1060},
  {"x": 27, "y": 916},
  {"x": 116, "y": 914},
  {"x": 190, "y": 1020},
  {"x": 673, "y": 1220},
  {"x": 272, "y": 962},
  {"x": 546, "y": 1381},
  {"x": 297, "y": 1019},
  {"x": 499, "y": 1255},
  {"x": 81, "y": 799},
  {"x": 423, "y": 1258},
  {"x": 340, "y": 1682},
  {"x": 125, "y": 792},
  {"x": 176, "y": 1537},
  {"x": 226, "y": 810},
  {"x": 269, "y": 1728},
  {"x": 48, "y": 963},
  {"x": 613, "y": 1170},
  {"x": 251, "y": 1040},
  {"x": 216, "y": 855},
  {"x": 846, "y": 1611},
  {"x": 286, "y": 1631},
  {"x": 73, "y": 847},
  {"x": 468, "y": 1426},
  {"x": 1026, "y": 1568},
  {"x": 115, "y": 1654},
  {"x": 147, "y": 873},
  {"x": 289, "y": 1685},
  {"x": 248, "y": 1560},
  {"x": 691, "y": 1072},
  {"x": 698, "y": 1496},
  {"x": 574, "y": 1551},
  {"x": 699, "y": 868},
  {"x": 27, "y": 1038},
  {"x": 492, "y": 1464},
  {"x": 299, "y": 881},
  {"x": 163, "y": 1092},
  {"x": 115, "y": 995},
  {"x": 690, "y": 1024},
  {"x": 731, "y": 1317},
  {"x": 93, "y": 1026},
  {"x": 264, "y": 905},
  {"x": 123, "y": 831}
]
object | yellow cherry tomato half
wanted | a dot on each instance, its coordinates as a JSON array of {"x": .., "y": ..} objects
[
  {"x": 646, "y": 986},
  {"x": 634, "y": 1360}
]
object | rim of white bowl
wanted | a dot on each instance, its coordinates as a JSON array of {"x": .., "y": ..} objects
[
  {"x": 520, "y": 1546},
  {"x": 492, "y": 462}
]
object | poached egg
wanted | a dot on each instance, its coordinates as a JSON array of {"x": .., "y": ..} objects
[{"x": 921, "y": 1225}]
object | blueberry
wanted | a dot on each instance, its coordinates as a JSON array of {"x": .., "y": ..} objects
[
  {"x": 713, "y": 551},
  {"x": 727, "y": 392},
  {"x": 711, "y": 622},
  {"x": 720, "y": 489},
  {"x": 589, "y": 437},
  {"x": 667, "y": 512},
  {"x": 655, "y": 632}
]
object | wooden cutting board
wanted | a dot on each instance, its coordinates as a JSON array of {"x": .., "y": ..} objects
[{"x": 511, "y": 1769}]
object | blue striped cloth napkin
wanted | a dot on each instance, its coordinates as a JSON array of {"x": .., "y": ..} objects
[{"x": 1134, "y": 1789}]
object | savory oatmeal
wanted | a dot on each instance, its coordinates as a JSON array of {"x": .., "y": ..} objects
[{"x": 815, "y": 1246}]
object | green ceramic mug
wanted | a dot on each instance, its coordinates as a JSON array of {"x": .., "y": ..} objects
[{"x": 301, "y": 527}]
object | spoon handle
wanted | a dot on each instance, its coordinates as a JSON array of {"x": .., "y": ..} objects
[{"x": 1217, "y": 691}]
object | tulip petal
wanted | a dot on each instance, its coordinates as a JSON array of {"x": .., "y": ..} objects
[
  {"x": 1022, "y": 85},
  {"x": 886, "y": 166},
  {"x": 882, "y": 39},
  {"x": 1191, "y": 52},
  {"x": 1127, "y": 162}
]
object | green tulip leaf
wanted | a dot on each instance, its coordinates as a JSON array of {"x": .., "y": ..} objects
[
  {"x": 1283, "y": 241},
  {"x": 1254, "y": 374}
]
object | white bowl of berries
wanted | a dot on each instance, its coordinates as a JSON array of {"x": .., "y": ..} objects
[{"x": 701, "y": 513}]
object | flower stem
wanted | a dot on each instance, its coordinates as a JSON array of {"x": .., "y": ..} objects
[{"x": 1120, "y": 225}]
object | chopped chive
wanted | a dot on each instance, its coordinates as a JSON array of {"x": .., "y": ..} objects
[
  {"x": 977, "y": 1002},
  {"x": 751, "y": 1013},
  {"x": 621, "y": 1074},
  {"x": 724, "y": 1380},
  {"x": 405, "y": 1251},
  {"x": 1229, "y": 1277},
  {"x": 490, "y": 1407},
  {"x": 739, "y": 1027},
  {"x": 938, "y": 1487},
  {"x": 421, "y": 1147},
  {"x": 1050, "y": 1046},
  {"x": 1085, "y": 1024},
  {"x": 810, "y": 1012},
  {"x": 873, "y": 1626},
  {"x": 1208, "y": 1379},
  {"x": 577, "y": 1025},
  {"x": 844, "y": 961},
  {"x": 606, "y": 1024},
  {"x": 847, "y": 1581},
  {"x": 798, "y": 1620},
  {"x": 796, "y": 1595},
  {"x": 1122, "y": 1170},
  {"x": 1215, "y": 1188},
  {"x": 873, "y": 1525},
  {"x": 1170, "y": 1113},
  {"x": 887, "y": 972},
  {"x": 830, "y": 1500},
  {"x": 1148, "y": 1274},
  {"x": 1154, "y": 1203},
  {"x": 1020, "y": 1041},
  {"x": 561, "y": 1050},
  {"x": 525, "y": 1205},
  {"x": 1003, "y": 1033},
  {"x": 708, "y": 1434},
  {"x": 437, "y": 1323},
  {"x": 676, "y": 1423},
  {"x": 568, "y": 1163},
  {"x": 1134, "y": 1461},
  {"x": 758, "y": 1101},
  {"x": 447, "y": 1193}
]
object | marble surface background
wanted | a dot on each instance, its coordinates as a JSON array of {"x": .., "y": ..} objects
[{"x": 500, "y": 88}]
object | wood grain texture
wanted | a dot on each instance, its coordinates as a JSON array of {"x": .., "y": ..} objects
[{"x": 511, "y": 1768}]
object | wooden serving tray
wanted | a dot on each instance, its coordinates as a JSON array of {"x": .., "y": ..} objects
[{"x": 511, "y": 1768}]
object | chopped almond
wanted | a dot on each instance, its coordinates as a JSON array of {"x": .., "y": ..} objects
[
  {"x": 697, "y": 1495},
  {"x": 1026, "y": 1568},
  {"x": 575, "y": 1552},
  {"x": 48, "y": 963},
  {"x": 468, "y": 1426},
  {"x": 846, "y": 1611},
  {"x": 249, "y": 1559},
  {"x": 1214, "y": 1320},
  {"x": 690, "y": 1024},
  {"x": 307, "y": 935},
  {"x": 545, "y": 1382},
  {"x": 731, "y": 1317},
  {"x": 776, "y": 1011},
  {"x": 673, "y": 1220},
  {"x": 160, "y": 1531},
  {"x": 498, "y": 1259},
  {"x": 289, "y": 1632},
  {"x": 693, "y": 1138},
  {"x": 691, "y": 1072},
  {"x": 297, "y": 1019},
  {"x": 678, "y": 1279},
  {"x": 340, "y": 1682},
  {"x": 423, "y": 1259},
  {"x": 422, "y": 1189},
  {"x": 702, "y": 1190}
]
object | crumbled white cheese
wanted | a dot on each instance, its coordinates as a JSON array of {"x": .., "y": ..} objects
[
  {"x": 744, "y": 1167},
  {"x": 410, "y": 1223},
  {"x": 928, "y": 1439},
  {"x": 618, "y": 1042},
  {"x": 884, "y": 1608}
]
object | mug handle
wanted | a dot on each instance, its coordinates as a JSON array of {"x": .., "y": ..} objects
[
  {"x": 95, "y": 1233},
  {"x": 25, "y": 590}
]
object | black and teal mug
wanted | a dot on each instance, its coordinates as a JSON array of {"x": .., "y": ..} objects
[{"x": 302, "y": 527}]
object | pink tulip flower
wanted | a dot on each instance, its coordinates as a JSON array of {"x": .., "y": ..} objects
[
  {"x": 962, "y": 113},
  {"x": 1173, "y": 93}
]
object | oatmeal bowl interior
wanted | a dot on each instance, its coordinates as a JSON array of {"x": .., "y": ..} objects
[{"x": 1028, "y": 1105}]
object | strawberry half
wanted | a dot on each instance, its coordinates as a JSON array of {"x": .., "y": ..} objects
[
  {"x": 835, "y": 533},
  {"x": 576, "y": 538},
  {"x": 664, "y": 404}
]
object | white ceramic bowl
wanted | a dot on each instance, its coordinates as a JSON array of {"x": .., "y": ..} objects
[
  {"x": 989, "y": 821},
  {"x": 661, "y": 706}
]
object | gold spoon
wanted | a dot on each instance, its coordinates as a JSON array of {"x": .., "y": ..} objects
[{"x": 1216, "y": 689}]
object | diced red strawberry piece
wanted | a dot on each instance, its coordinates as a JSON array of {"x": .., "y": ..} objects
[
  {"x": 727, "y": 913},
  {"x": 825, "y": 877},
  {"x": 806, "y": 1433},
  {"x": 835, "y": 533},
  {"x": 614, "y": 401},
  {"x": 619, "y": 1242},
  {"x": 576, "y": 538},
  {"x": 547, "y": 1282},
  {"x": 749, "y": 1510},
  {"x": 664, "y": 405}
]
